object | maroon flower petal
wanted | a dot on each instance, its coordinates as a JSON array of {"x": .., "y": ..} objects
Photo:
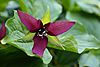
[
  {"x": 2, "y": 31},
  {"x": 30, "y": 22},
  {"x": 58, "y": 27},
  {"x": 40, "y": 44}
]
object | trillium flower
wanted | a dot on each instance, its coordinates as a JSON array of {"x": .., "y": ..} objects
[
  {"x": 2, "y": 31},
  {"x": 40, "y": 39}
]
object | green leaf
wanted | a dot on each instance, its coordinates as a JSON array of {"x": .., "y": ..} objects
[
  {"x": 15, "y": 35},
  {"x": 55, "y": 41},
  {"x": 89, "y": 6},
  {"x": 46, "y": 17},
  {"x": 39, "y": 10},
  {"x": 81, "y": 34},
  {"x": 91, "y": 59},
  {"x": 69, "y": 4},
  {"x": 76, "y": 39},
  {"x": 67, "y": 41},
  {"x": 25, "y": 44},
  {"x": 90, "y": 22},
  {"x": 18, "y": 36},
  {"x": 16, "y": 29}
]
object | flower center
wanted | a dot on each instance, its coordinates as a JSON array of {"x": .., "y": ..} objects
[{"x": 42, "y": 32}]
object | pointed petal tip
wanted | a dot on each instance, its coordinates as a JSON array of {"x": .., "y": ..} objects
[
  {"x": 3, "y": 24},
  {"x": 72, "y": 22},
  {"x": 29, "y": 21},
  {"x": 39, "y": 45},
  {"x": 37, "y": 52},
  {"x": 2, "y": 31},
  {"x": 59, "y": 27},
  {"x": 18, "y": 11}
]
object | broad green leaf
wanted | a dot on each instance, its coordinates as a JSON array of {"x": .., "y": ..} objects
[
  {"x": 16, "y": 30},
  {"x": 87, "y": 42},
  {"x": 91, "y": 59},
  {"x": 67, "y": 41},
  {"x": 46, "y": 17},
  {"x": 90, "y": 22},
  {"x": 14, "y": 23},
  {"x": 77, "y": 40},
  {"x": 55, "y": 41},
  {"x": 37, "y": 8},
  {"x": 15, "y": 35},
  {"x": 69, "y": 4},
  {"x": 25, "y": 44},
  {"x": 90, "y": 6},
  {"x": 81, "y": 33}
]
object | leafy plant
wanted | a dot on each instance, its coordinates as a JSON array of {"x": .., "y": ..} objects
[{"x": 78, "y": 47}]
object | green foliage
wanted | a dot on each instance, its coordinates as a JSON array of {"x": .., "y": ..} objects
[
  {"x": 90, "y": 59},
  {"x": 64, "y": 58},
  {"x": 85, "y": 38},
  {"x": 3, "y": 4},
  {"x": 69, "y": 4},
  {"x": 89, "y": 6},
  {"x": 12, "y": 57},
  {"x": 37, "y": 8},
  {"x": 78, "y": 47},
  {"x": 91, "y": 22}
]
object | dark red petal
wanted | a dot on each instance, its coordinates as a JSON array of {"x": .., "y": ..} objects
[
  {"x": 58, "y": 27},
  {"x": 2, "y": 31},
  {"x": 30, "y": 22},
  {"x": 40, "y": 44}
]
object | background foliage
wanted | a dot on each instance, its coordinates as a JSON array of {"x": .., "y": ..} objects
[{"x": 81, "y": 42}]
